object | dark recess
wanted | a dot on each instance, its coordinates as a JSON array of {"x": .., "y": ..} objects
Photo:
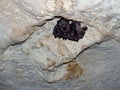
[{"x": 69, "y": 29}]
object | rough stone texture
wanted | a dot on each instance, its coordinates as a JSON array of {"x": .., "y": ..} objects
[{"x": 30, "y": 53}]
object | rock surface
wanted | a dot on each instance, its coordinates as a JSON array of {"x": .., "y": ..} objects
[{"x": 29, "y": 51}]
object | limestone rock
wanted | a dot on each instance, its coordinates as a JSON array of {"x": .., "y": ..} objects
[{"x": 30, "y": 46}]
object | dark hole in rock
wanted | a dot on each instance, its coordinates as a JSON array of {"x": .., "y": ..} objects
[{"x": 69, "y": 29}]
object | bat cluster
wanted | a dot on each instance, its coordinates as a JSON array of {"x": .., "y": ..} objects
[{"x": 69, "y": 29}]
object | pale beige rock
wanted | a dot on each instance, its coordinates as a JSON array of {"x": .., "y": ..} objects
[{"x": 50, "y": 57}]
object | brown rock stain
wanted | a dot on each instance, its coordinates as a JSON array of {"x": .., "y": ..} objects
[
  {"x": 74, "y": 70},
  {"x": 41, "y": 44}
]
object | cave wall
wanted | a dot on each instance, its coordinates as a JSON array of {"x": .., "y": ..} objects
[{"x": 28, "y": 47}]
